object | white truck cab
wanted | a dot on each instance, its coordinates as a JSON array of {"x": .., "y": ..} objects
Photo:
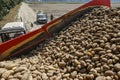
[
  {"x": 12, "y": 30},
  {"x": 41, "y": 18}
]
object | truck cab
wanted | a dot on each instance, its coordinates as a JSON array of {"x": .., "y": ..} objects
[
  {"x": 12, "y": 30},
  {"x": 41, "y": 18}
]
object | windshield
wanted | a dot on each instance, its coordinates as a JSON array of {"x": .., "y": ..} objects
[
  {"x": 8, "y": 36},
  {"x": 41, "y": 16}
]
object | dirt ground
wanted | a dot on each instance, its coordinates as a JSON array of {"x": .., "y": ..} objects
[
  {"x": 55, "y": 9},
  {"x": 58, "y": 9},
  {"x": 113, "y": 5}
]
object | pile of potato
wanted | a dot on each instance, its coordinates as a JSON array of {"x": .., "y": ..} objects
[{"x": 87, "y": 50}]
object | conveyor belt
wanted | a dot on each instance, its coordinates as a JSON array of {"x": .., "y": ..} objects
[{"x": 28, "y": 41}]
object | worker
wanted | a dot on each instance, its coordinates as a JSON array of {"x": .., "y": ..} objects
[
  {"x": 21, "y": 19},
  {"x": 51, "y": 16},
  {"x": 31, "y": 24}
]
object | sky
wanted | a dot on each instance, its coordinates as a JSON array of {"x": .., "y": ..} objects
[
  {"x": 69, "y": 0},
  {"x": 115, "y": 0}
]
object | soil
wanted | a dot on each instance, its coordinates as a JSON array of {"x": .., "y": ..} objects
[
  {"x": 56, "y": 9},
  {"x": 115, "y": 5}
]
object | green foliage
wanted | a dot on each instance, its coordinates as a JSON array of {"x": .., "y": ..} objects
[{"x": 6, "y": 5}]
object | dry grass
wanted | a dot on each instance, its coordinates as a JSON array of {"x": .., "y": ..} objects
[{"x": 10, "y": 16}]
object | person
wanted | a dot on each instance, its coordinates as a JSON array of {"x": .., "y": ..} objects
[
  {"x": 31, "y": 24},
  {"x": 51, "y": 16},
  {"x": 21, "y": 19}
]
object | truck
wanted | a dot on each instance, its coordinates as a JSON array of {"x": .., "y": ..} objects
[
  {"x": 12, "y": 30},
  {"x": 41, "y": 18}
]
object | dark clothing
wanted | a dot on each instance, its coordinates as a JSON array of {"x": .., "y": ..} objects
[{"x": 51, "y": 17}]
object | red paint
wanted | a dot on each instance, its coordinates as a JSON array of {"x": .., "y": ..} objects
[{"x": 19, "y": 51}]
